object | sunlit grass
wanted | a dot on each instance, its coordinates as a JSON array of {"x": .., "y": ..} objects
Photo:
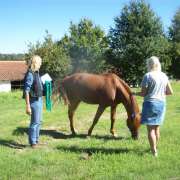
[{"x": 98, "y": 157}]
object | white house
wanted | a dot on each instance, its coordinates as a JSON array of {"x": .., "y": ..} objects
[{"x": 11, "y": 74}]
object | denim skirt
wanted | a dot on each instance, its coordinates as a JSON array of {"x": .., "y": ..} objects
[{"x": 153, "y": 112}]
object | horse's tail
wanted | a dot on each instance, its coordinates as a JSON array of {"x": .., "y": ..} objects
[{"x": 64, "y": 95}]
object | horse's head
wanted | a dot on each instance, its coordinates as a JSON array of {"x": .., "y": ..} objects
[
  {"x": 132, "y": 108},
  {"x": 134, "y": 117},
  {"x": 133, "y": 123}
]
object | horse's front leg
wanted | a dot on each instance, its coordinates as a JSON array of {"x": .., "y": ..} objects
[
  {"x": 71, "y": 110},
  {"x": 113, "y": 118},
  {"x": 99, "y": 112}
]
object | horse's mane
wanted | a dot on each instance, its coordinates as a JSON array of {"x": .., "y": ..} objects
[
  {"x": 132, "y": 98},
  {"x": 126, "y": 86}
]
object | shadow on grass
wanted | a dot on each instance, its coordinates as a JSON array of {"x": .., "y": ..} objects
[
  {"x": 93, "y": 150},
  {"x": 109, "y": 137},
  {"x": 107, "y": 151},
  {"x": 12, "y": 144},
  {"x": 60, "y": 135},
  {"x": 52, "y": 133}
]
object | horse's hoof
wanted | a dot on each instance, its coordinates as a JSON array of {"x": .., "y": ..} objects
[
  {"x": 89, "y": 133},
  {"x": 88, "y": 137},
  {"x": 74, "y": 134},
  {"x": 115, "y": 135},
  {"x": 135, "y": 138}
]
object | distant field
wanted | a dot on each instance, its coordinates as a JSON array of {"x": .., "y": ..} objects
[{"x": 100, "y": 157}]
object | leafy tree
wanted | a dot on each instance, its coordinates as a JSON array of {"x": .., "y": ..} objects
[
  {"x": 174, "y": 34},
  {"x": 137, "y": 35},
  {"x": 16, "y": 57},
  {"x": 55, "y": 60},
  {"x": 86, "y": 45}
]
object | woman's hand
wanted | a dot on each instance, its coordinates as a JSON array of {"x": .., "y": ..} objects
[
  {"x": 142, "y": 93},
  {"x": 28, "y": 110}
]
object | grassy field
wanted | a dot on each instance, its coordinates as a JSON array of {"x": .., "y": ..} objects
[{"x": 98, "y": 157}]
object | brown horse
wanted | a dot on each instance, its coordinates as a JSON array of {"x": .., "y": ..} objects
[{"x": 104, "y": 90}]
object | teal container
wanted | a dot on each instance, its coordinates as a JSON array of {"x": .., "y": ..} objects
[{"x": 48, "y": 95}]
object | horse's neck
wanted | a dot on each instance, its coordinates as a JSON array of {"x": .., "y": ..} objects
[
  {"x": 128, "y": 99},
  {"x": 127, "y": 107},
  {"x": 129, "y": 104}
]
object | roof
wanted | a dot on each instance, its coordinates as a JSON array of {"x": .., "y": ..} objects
[{"x": 12, "y": 70}]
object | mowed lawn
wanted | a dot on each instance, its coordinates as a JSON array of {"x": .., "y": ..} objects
[{"x": 100, "y": 157}]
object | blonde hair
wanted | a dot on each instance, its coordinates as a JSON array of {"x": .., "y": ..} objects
[
  {"x": 153, "y": 64},
  {"x": 36, "y": 63}
]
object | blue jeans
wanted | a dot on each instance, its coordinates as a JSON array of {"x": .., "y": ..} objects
[{"x": 36, "y": 118}]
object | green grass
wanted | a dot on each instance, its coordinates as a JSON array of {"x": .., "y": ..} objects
[{"x": 98, "y": 157}]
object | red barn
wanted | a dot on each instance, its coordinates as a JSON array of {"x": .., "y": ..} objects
[{"x": 11, "y": 75}]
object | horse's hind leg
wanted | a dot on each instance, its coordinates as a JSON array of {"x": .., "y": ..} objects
[
  {"x": 96, "y": 118},
  {"x": 113, "y": 118},
  {"x": 71, "y": 110}
]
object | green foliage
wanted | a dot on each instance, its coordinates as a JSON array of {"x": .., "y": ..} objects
[
  {"x": 174, "y": 34},
  {"x": 11, "y": 57},
  {"x": 55, "y": 60},
  {"x": 174, "y": 30},
  {"x": 86, "y": 45},
  {"x": 137, "y": 35}
]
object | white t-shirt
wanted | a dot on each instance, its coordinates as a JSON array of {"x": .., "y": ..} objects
[{"x": 155, "y": 82}]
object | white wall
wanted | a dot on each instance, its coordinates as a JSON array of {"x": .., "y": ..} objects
[{"x": 5, "y": 86}]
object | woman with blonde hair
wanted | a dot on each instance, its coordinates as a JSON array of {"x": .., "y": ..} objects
[
  {"x": 154, "y": 88},
  {"x": 33, "y": 92}
]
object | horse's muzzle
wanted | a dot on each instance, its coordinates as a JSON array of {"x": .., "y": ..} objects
[{"x": 135, "y": 136}]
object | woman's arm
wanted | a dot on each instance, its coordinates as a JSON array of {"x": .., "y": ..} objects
[
  {"x": 142, "y": 93},
  {"x": 28, "y": 108},
  {"x": 27, "y": 87},
  {"x": 169, "y": 90}
]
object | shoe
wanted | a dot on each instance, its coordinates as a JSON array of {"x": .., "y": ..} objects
[
  {"x": 33, "y": 146},
  {"x": 41, "y": 144},
  {"x": 155, "y": 154}
]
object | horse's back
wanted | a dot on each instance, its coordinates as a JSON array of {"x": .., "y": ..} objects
[{"x": 90, "y": 88}]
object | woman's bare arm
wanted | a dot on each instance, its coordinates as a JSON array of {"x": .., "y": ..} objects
[
  {"x": 142, "y": 93},
  {"x": 169, "y": 90}
]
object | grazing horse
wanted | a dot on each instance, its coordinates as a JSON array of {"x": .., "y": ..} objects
[{"x": 104, "y": 90}]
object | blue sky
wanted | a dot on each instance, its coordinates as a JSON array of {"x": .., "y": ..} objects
[{"x": 24, "y": 21}]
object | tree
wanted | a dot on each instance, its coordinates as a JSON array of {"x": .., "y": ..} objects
[
  {"x": 55, "y": 60},
  {"x": 86, "y": 45},
  {"x": 174, "y": 34},
  {"x": 17, "y": 57},
  {"x": 137, "y": 35}
]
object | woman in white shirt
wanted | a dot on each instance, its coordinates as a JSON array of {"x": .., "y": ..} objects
[{"x": 154, "y": 88}]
